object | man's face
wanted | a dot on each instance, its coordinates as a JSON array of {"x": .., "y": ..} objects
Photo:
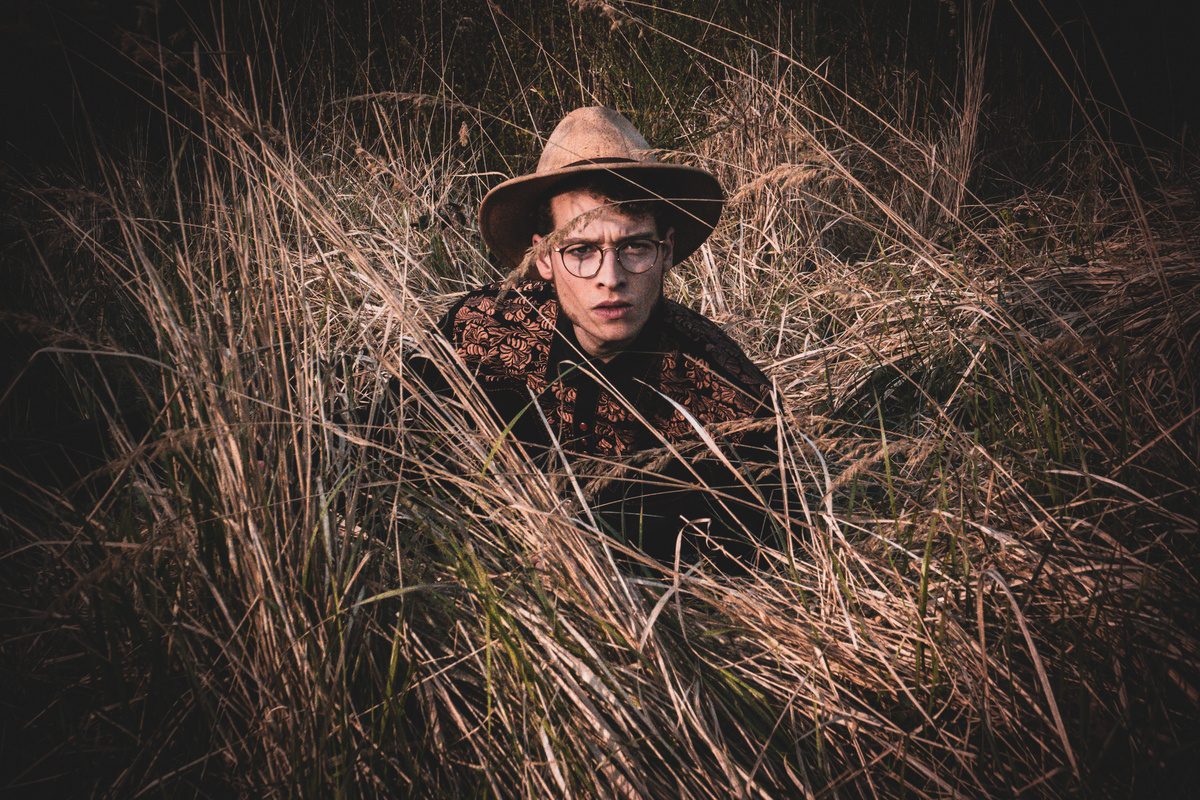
[{"x": 609, "y": 309}]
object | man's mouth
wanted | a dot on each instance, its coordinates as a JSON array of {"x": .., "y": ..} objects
[{"x": 613, "y": 309}]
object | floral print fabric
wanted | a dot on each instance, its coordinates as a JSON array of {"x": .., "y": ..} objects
[{"x": 521, "y": 353}]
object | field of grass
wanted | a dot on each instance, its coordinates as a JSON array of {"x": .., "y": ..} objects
[{"x": 984, "y": 341}]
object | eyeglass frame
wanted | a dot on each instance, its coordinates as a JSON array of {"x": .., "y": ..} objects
[{"x": 658, "y": 253}]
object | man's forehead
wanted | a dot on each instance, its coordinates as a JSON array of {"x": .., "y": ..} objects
[{"x": 576, "y": 208}]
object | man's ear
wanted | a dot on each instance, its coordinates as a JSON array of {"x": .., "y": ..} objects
[
  {"x": 669, "y": 255},
  {"x": 543, "y": 261}
]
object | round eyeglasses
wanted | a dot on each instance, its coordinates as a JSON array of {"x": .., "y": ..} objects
[{"x": 583, "y": 259}]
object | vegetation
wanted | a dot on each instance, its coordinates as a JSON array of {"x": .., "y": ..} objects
[{"x": 984, "y": 344}]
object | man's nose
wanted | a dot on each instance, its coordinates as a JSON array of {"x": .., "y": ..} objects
[{"x": 611, "y": 272}]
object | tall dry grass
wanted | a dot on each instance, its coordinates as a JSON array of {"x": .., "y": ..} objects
[{"x": 987, "y": 582}]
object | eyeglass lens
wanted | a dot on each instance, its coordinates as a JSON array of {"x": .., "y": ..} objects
[{"x": 584, "y": 259}]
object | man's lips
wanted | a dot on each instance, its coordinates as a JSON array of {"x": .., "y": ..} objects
[{"x": 613, "y": 309}]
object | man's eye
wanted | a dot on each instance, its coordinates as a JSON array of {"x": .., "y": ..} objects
[
  {"x": 638, "y": 247},
  {"x": 580, "y": 252}
]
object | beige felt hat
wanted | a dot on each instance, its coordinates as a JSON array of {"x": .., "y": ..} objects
[{"x": 598, "y": 139}]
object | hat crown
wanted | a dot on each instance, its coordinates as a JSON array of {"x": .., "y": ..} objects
[
  {"x": 593, "y": 134},
  {"x": 602, "y": 141}
]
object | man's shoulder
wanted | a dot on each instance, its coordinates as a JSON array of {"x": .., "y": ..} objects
[
  {"x": 527, "y": 306},
  {"x": 503, "y": 331},
  {"x": 704, "y": 340}
]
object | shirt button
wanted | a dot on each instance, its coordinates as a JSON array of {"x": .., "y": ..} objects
[{"x": 583, "y": 426}]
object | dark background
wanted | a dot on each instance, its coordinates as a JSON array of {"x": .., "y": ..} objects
[{"x": 64, "y": 81}]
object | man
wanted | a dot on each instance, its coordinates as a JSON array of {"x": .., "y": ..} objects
[{"x": 585, "y": 354}]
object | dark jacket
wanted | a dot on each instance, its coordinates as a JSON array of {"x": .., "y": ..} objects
[{"x": 521, "y": 350}]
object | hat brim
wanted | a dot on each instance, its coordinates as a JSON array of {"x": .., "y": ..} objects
[{"x": 506, "y": 213}]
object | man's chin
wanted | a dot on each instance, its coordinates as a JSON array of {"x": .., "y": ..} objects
[
  {"x": 618, "y": 335},
  {"x": 606, "y": 344}
]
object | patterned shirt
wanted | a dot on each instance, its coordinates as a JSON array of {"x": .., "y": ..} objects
[{"x": 520, "y": 348}]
